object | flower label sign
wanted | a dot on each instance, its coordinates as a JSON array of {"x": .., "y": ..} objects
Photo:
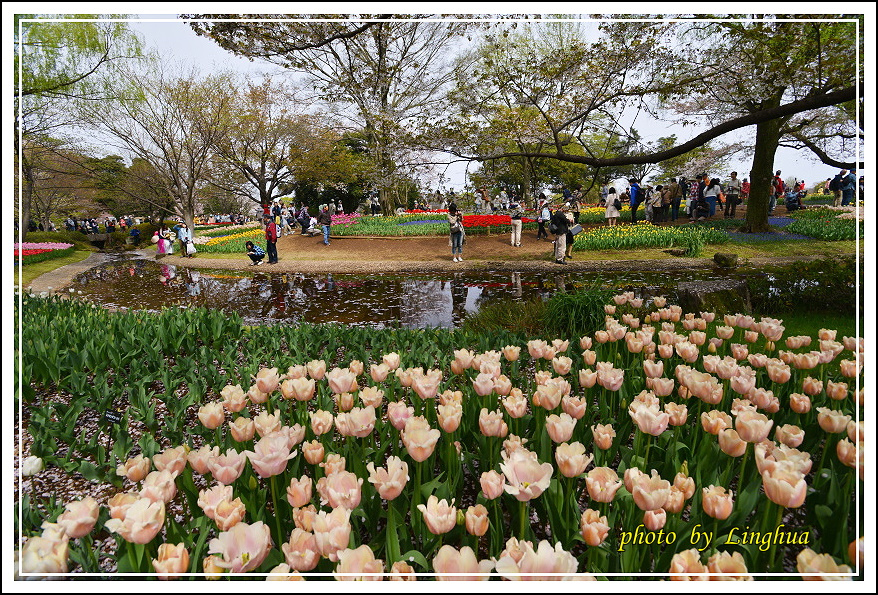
[{"x": 112, "y": 416}]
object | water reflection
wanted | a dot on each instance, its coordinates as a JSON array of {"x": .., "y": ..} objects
[{"x": 436, "y": 300}]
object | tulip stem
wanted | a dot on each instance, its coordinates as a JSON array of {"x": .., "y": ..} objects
[
  {"x": 273, "y": 482},
  {"x": 522, "y": 520}
]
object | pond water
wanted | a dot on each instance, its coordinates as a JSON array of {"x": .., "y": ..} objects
[{"x": 411, "y": 300}]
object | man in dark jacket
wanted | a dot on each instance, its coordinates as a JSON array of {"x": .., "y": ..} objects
[
  {"x": 271, "y": 239},
  {"x": 636, "y": 197},
  {"x": 559, "y": 223}
]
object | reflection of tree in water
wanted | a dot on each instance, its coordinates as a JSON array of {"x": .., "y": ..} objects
[{"x": 426, "y": 303}]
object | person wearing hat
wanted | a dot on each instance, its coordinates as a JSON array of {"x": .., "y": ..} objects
[
  {"x": 848, "y": 187},
  {"x": 324, "y": 219}
]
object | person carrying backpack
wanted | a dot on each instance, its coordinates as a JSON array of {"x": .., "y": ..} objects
[
  {"x": 835, "y": 187},
  {"x": 777, "y": 191}
]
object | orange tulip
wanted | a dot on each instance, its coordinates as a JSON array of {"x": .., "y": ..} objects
[
  {"x": 716, "y": 502},
  {"x": 594, "y": 527}
]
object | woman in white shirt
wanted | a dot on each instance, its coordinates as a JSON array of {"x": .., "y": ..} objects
[{"x": 614, "y": 203}]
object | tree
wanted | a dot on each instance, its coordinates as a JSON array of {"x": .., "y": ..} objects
[
  {"x": 61, "y": 61},
  {"x": 384, "y": 77},
  {"x": 174, "y": 124},
  {"x": 271, "y": 143}
]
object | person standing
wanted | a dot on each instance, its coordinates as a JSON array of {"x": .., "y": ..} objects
[
  {"x": 456, "y": 233},
  {"x": 576, "y": 202},
  {"x": 777, "y": 191},
  {"x": 543, "y": 217},
  {"x": 271, "y": 240},
  {"x": 569, "y": 237},
  {"x": 711, "y": 195},
  {"x": 559, "y": 225},
  {"x": 733, "y": 191},
  {"x": 848, "y": 187},
  {"x": 675, "y": 191},
  {"x": 635, "y": 198},
  {"x": 835, "y": 187},
  {"x": 324, "y": 220},
  {"x": 515, "y": 222},
  {"x": 185, "y": 236},
  {"x": 614, "y": 205}
]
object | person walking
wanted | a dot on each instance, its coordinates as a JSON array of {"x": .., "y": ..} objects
[
  {"x": 675, "y": 190},
  {"x": 558, "y": 226},
  {"x": 271, "y": 239},
  {"x": 614, "y": 205},
  {"x": 543, "y": 217},
  {"x": 733, "y": 192},
  {"x": 711, "y": 195},
  {"x": 324, "y": 220},
  {"x": 515, "y": 222},
  {"x": 456, "y": 233}
]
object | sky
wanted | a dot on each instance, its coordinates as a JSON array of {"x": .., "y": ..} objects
[{"x": 175, "y": 40}]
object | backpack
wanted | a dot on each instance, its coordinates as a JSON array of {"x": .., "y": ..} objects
[
  {"x": 835, "y": 183},
  {"x": 617, "y": 204},
  {"x": 552, "y": 227}
]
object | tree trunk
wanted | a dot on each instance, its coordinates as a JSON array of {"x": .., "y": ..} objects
[
  {"x": 761, "y": 173},
  {"x": 27, "y": 186}
]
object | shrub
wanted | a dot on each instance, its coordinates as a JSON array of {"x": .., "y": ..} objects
[{"x": 576, "y": 313}]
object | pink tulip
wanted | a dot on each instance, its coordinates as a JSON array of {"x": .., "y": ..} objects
[
  {"x": 229, "y": 513},
  {"x": 426, "y": 386},
  {"x": 847, "y": 452},
  {"x": 297, "y": 371},
  {"x": 341, "y": 380},
  {"x": 492, "y": 484},
  {"x": 120, "y": 503},
  {"x": 419, "y": 438},
  {"x": 511, "y": 353},
  {"x": 389, "y": 482},
  {"x": 492, "y": 424},
  {"x": 360, "y": 562},
  {"x": 243, "y": 547},
  {"x": 316, "y": 369},
  {"x": 449, "y": 561},
  {"x": 43, "y": 555},
  {"x": 267, "y": 380},
  {"x": 159, "y": 486},
  {"x": 300, "y": 551},
  {"x": 198, "y": 459},
  {"x": 334, "y": 463},
  {"x": 587, "y": 378},
  {"x": 171, "y": 459},
  {"x": 831, "y": 421},
  {"x": 562, "y": 365},
  {"x": 209, "y": 499},
  {"x": 810, "y": 562},
  {"x": 372, "y": 397},
  {"x": 571, "y": 459},
  {"x": 476, "y": 520},
  {"x": 256, "y": 396},
  {"x": 800, "y": 403},
  {"x": 266, "y": 423},
  {"x": 575, "y": 407},
  {"x": 560, "y": 427},
  {"x": 399, "y": 413},
  {"x": 655, "y": 520},
  {"x": 731, "y": 444},
  {"x": 594, "y": 527},
  {"x": 650, "y": 492},
  {"x": 242, "y": 429},
  {"x": 785, "y": 486},
  {"x": 483, "y": 384},
  {"x": 732, "y": 566},
  {"x": 540, "y": 563},
  {"x": 299, "y": 491},
  {"x": 677, "y": 413},
  {"x": 270, "y": 455},
  {"x": 687, "y": 563},
  {"x": 172, "y": 561},
  {"x": 716, "y": 502},
  {"x": 340, "y": 490},
  {"x": 536, "y": 348},
  {"x": 79, "y": 517},
  {"x": 234, "y": 398},
  {"x": 752, "y": 426},
  {"x": 313, "y": 452},
  {"x": 603, "y": 435},
  {"x": 359, "y": 422},
  {"x": 652, "y": 368},
  {"x": 141, "y": 522},
  {"x": 321, "y": 422},
  {"x": 449, "y": 416},
  {"x": 439, "y": 515},
  {"x": 515, "y": 405},
  {"x": 837, "y": 391},
  {"x": 526, "y": 477},
  {"x": 379, "y": 372},
  {"x": 391, "y": 360},
  {"x": 135, "y": 469}
]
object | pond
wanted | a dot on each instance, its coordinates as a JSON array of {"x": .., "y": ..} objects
[{"x": 411, "y": 300}]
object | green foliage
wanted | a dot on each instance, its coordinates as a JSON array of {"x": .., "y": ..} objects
[
  {"x": 825, "y": 285},
  {"x": 577, "y": 313},
  {"x": 510, "y": 315},
  {"x": 51, "y": 255},
  {"x": 646, "y": 235},
  {"x": 824, "y": 224},
  {"x": 77, "y": 238}
]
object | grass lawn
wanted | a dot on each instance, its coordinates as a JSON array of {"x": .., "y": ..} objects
[
  {"x": 806, "y": 323},
  {"x": 32, "y": 271}
]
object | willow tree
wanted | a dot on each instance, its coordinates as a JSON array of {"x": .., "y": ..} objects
[
  {"x": 383, "y": 77},
  {"x": 58, "y": 61}
]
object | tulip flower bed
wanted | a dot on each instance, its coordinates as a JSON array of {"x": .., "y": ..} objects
[
  {"x": 32, "y": 252},
  {"x": 647, "y": 235},
  {"x": 221, "y": 229},
  {"x": 415, "y": 224},
  {"x": 665, "y": 442},
  {"x": 230, "y": 243}
]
